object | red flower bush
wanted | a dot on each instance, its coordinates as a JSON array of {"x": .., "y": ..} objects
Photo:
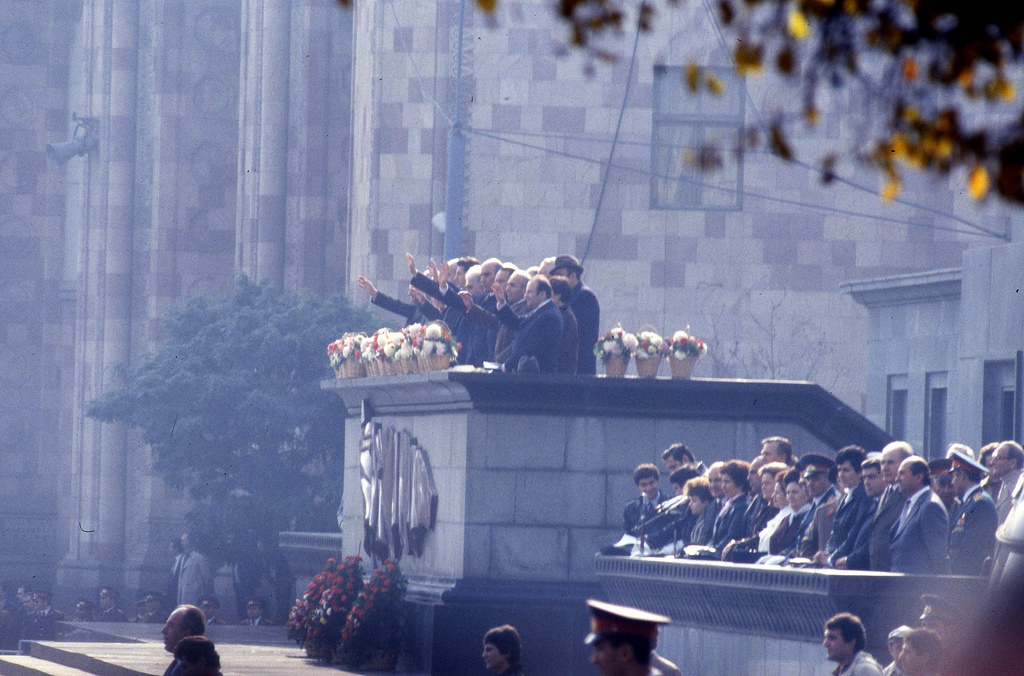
[{"x": 317, "y": 618}]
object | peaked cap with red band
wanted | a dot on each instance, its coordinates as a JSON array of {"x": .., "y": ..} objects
[{"x": 608, "y": 619}]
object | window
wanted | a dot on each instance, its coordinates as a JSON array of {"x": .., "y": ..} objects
[
  {"x": 999, "y": 407},
  {"x": 935, "y": 415},
  {"x": 896, "y": 407},
  {"x": 690, "y": 125}
]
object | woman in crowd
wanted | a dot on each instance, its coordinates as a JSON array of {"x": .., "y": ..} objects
[
  {"x": 786, "y": 537},
  {"x": 502, "y": 651},
  {"x": 699, "y": 491},
  {"x": 731, "y": 522}
]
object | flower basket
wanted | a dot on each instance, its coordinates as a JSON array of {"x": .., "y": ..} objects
[
  {"x": 682, "y": 368},
  {"x": 434, "y": 362},
  {"x": 353, "y": 369},
  {"x": 648, "y": 368},
  {"x": 616, "y": 365}
]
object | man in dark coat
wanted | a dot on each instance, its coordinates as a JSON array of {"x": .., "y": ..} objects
[
  {"x": 419, "y": 312},
  {"x": 920, "y": 537},
  {"x": 889, "y": 505},
  {"x": 539, "y": 331},
  {"x": 854, "y": 508},
  {"x": 644, "y": 507},
  {"x": 586, "y": 308},
  {"x": 972, "y": 539}
]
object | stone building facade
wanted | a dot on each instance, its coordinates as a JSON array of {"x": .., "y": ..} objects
[
  {"x": 222, "y": 148},
  {"x": 304, "y": 143}
]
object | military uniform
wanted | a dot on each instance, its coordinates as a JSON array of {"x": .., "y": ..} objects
[{"x": 973, "y": 535}]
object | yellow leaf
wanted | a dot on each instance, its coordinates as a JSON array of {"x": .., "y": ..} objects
[
  {"x": 715, "y": 85},
  {"x": 1005, "y": 90},
  {"x": 487, "y": 5},
  {"x": 911, "y": 114},
  {"x": 891, "y": 189},
  {"x": 692, "y": 77},
  {"x": 978, "y": 184},
  {"x": 797, "y": 24}
]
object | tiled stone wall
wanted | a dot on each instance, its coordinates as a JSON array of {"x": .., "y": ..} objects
[{"x": 758, "y": 281}]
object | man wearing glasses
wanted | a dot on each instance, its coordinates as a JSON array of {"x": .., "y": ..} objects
[{"x": 1007, "y": 462}]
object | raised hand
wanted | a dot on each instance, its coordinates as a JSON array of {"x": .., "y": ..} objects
[
  {"x": 412, "y": 264},
  {"x": 432, "y": 270},
  {"x": 442, "y": 274},
  {"x": 499, "y": 293},
  {"x": 367, "y": 286},
  {"x": 467, "y": 299}
]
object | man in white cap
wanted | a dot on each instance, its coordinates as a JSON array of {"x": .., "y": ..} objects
[{"x": 622, "y": 638}]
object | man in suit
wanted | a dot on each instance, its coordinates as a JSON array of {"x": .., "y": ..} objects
[
  {"x": 889, "y": 505},
  {"x": 920, "y": 536},
  {"x": 972, "y": 539},
  {"x": 817, "y": 525},
  {"x": 539, "y": 331},
  {"x": 853, "y": 509},
  {"x": 853, "y": 555},
  {"x": 1007, "y": 463},
  {"x": 586, "y": 308},
  {"x": 646, "y": 477}
]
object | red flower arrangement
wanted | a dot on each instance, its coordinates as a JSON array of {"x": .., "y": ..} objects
[
  {"x": 375, "y": 622},
  {"x": 316, "y": 620}
]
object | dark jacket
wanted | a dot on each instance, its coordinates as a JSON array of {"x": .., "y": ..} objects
[
  {"x": 633, "y": 511},
  {"x": 886, "y": 514},
  {"x": 973, "y": 537},
  {"x": 413, "y": 313},
  {"x": 731, "y": 522},
  {"x": 539, "y": 335},
  {"x": 568, "y": 353},
  {"x": 854, "y": 509},
  {"x": 588, "y": 320},
  {"x": 921, "y": 546},
  {"x": 454, "y": 314}
]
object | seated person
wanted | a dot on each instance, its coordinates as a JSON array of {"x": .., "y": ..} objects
[
  {"x": 254, "y": 612},
  {"x": 731, "y": 522},
  {"x": 757, "y": 542},
  {"x": 698, "y": 491},
  {"x": 639, "y": 510},
  {"x": 785, "y": 541},
  {"x": 683, "y": 519}
]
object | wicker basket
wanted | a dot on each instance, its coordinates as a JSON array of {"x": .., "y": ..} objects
[
  {"x": 648, "y": 368},
  {"x": 435, "y": 362},
  {"x": 616, "y": 365},
  {"x": 353, "y": 368},
  {"x": 682, "y": 368}
]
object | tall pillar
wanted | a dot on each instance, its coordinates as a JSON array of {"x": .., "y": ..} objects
[
  {"x": 263, "y": 134},
  {"x": 103, "y": 307}
]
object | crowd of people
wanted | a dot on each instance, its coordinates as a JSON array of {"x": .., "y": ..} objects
[
  {"x": 883, "y": 511},
  {"x": 539, "y": 319}
]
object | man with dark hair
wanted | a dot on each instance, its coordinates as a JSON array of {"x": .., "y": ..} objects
[
  {"x": 777, "y": 449},
  {"x": 676, "y": 456},
  {"x": 920, "y": 537},
  {"x": 255, "y": 608},
  {"x": 853, "y": 554},
  {"x": 586, "y": 308},
  {"x": 109, "y": 612},
  {"x": 853, "y": 509},
  {"x": 922, "y": 653},
  {"x": 1007, "y": 464},
  {"x": 539, "y": 331},
  {"x": 183, "y": 621},
  {"x": 503, "y": 651},
  {"x": 639, "y": 510},
  {"x": 197, "y": 656},
  {"x": 622, "y": 638},
  {"x": 844, "y": 644},
  {"x": 972, "y": 538},
  {"x": 568, "y": 352},
  {"x": 210, "y": 605}
]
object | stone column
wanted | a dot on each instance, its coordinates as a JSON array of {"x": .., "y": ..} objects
[
  {"x": 263, "y": 134},
  {"x": 103, "y": 307}
]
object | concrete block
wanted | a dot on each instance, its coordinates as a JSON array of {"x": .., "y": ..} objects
[
  {"x": 536, "y": 442},
  {"x": 584, "y": 543},
  {"x": 559, "y": 498},
  {"x": 477, "y": 551},
  {"x": 490, "y": 496},
  {"x": 529, "y": 553},
  {"x": 584, "y": 445}
]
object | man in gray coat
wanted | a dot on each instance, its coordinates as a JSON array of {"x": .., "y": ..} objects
[{"x": 889, "y": 505}]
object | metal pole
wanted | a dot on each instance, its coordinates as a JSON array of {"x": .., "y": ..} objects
[{"x": 456, "y": 174}]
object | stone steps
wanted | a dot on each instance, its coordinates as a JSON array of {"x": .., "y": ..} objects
[{"x": 26, "y": 665}]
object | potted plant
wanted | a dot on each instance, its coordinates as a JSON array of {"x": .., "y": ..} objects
[
  {"x": 684, "y": 351},
  {"x": 650, "y": 349},
  {"x": 372, "y": 636},
  {"x": 614, "y": 350},
  {"x": 437, "y": 347},
  {"x": 317, "y": 619}
]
